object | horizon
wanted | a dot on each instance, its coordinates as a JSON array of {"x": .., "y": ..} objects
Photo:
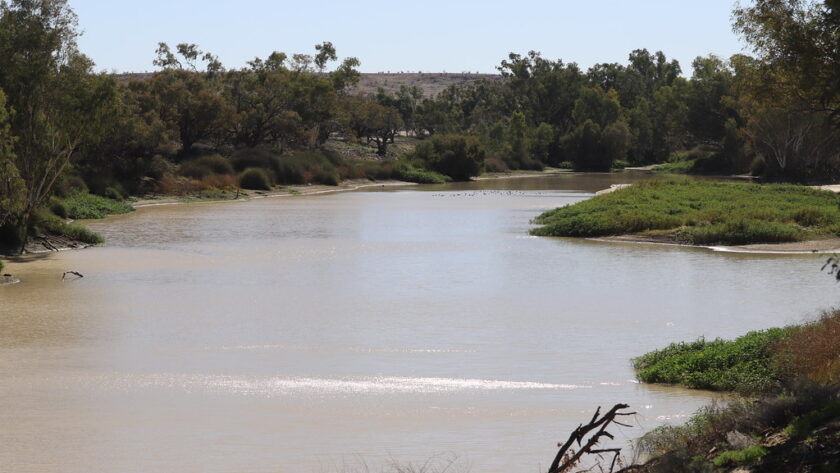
[{"x": 474, "y": 46}]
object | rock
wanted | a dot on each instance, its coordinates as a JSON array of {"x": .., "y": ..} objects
[{"x": 739, "y": 441}]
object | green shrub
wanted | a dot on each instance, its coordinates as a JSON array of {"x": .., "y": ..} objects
[
  {"x": 58, "y": 208},
  {"x": 2, "y": 265},
  {"x": 457, "y": 156},
  {"x": 89, "y": 206},
  {"x": 408, "y": 173},
  {"x": 207, "y": 165},
  {"x": 746, "y": 456},
  {"x": 745, "y": 364},
  {"x": 70, "y": 185},
  {"x": 255, "y": 178}
]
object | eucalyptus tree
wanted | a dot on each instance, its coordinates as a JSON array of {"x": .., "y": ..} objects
[{"x": 60, "y": 105}]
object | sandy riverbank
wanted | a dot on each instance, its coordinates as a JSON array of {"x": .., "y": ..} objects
[
  {"x": 287, "y": 191},
  {"x": 825, "y": 246}
]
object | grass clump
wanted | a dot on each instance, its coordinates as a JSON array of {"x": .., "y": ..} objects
[
  {"x": 745, "y": 456},
  {"x": 49, "y": 223},
  {"x": 693, "y": 211},
  {"x": 745, "y": 364},
  {"x": 89, "y": 206},
  {"x": 256, "y": 179}
]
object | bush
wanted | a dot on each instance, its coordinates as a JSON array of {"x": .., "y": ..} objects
[
  {"x": 89, "y": 206},
  {"x": 745, "y": 364},
  {"x": 58, "y": 208},
  {"x": 812, "y": 350},
  {"x": 255, "y": 179},
  {"x": 495, "y": 165},
  {"x": 70, "y": 185},
  {"x": 205, "y": 166},
  {"x": 457, "y": 156},
  {"x": 408, "y": 173}
]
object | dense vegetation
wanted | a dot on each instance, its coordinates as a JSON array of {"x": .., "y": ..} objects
[
  {"x": 702, "y": 212},
  {"x": 789, "y": 422},
  {"x": 196, "y": 127}
]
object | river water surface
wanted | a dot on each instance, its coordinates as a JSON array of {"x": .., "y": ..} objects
[{"x": 341, "y": 332}]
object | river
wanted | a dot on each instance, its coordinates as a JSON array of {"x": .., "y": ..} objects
[{"x": 343, "y": 332}]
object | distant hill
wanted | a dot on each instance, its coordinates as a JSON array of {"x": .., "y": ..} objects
[{"x": 431, "y": 83}]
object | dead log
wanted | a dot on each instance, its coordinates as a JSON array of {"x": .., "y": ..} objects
[
  {"x": 567, "y": 458},
  {"x": 74, "y": 273}
]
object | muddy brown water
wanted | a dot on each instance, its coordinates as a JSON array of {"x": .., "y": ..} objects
[{"x": 343, "y": 332}]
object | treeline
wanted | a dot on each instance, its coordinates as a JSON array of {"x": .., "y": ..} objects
[
  {"x": 776, "y": 114},
  {"x": 196, "y": 125}
]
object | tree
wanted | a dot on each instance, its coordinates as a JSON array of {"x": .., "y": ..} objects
[
  {"x": 12, "y": 188},
  {"x": 457, "y": 156},
  {"x": 60, "y": 105}
]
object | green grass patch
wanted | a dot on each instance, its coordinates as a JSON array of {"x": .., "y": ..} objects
[
  {"x": 50, "y": 223},
  {"x": 746, "y": 456},
  {"x": 744, "y": 364},
  {"x": 676, "y": 167},
  {"x": 701, "y": 212},
  {"x": 89, "y": 206}
]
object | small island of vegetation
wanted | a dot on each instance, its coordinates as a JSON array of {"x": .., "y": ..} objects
[{"x": 701, "y": 212}]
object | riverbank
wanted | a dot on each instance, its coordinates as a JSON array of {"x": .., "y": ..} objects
[
  {"x": 726, "y": 216},
  {"x": 789, "y": 419}
]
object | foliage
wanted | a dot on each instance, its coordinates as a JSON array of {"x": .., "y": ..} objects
[
  {"x": 90, "y": 206},
  {"x": 812, "y": 350},
  {"x": 744, "y": 364},
  {"x": 806, "y": 423},
  {"x": 205, "y": 166},
  {"x": 255, "y": 178},
  {"x": 408, "y": 173},
  {"x": 46, "y": 222},
  {"x": 701, "y": 212},
  {"x": 744, "y": 456},
  {"x": 459, "y": 157},
  {"x": 11, "y": 185}
]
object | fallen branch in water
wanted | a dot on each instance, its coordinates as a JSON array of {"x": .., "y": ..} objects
[
  {"x": 74, "y": 273},
  {"x": 567, "y": 458}
]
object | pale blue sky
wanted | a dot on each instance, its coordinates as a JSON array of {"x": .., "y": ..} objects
[{"x": 429, "y": 36}]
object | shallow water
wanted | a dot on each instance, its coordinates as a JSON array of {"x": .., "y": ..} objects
[{"x": 330, "y": 332}]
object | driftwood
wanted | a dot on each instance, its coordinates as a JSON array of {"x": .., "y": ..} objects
[
  {"x": 567, "y": 458},
  {"x": 74, "y": 273}
]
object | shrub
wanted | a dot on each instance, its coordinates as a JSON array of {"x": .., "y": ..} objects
[
  {"x": 58, "y": 208},
  {"x": 255, "y": 178},
  {"x": 745, "y": 364},
  {"x": 205, "y": 166},
  {"x": 407, "y": 172},
  {"x": 812, "y": 350},
  {"x": 70, "y": 185},
  {"x": 457, "y": 156},
  {"x": 252, "y": 158},
  {"x": 89, "y": 206},
  {"x": 495, "y": 165}
]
